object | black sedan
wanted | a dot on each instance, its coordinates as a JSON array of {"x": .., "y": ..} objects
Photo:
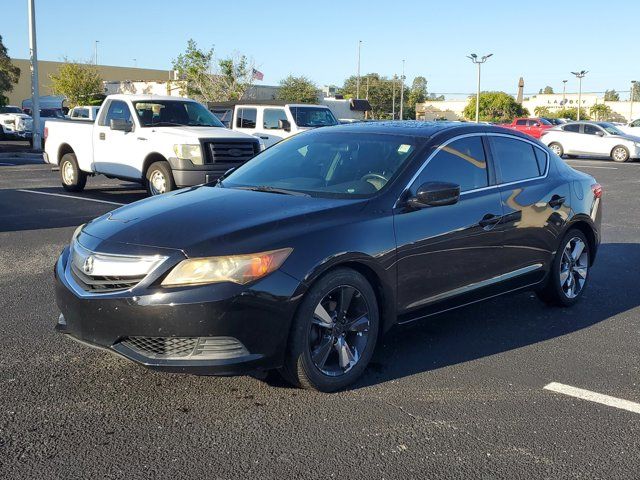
[{"x": 303, "y": 257}]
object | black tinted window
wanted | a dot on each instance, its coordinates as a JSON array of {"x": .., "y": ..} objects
[
  {"x": 541, "y": 157},
  {"x": 246, "y": 118},
  {"x": 572, "y": 127},
  {"x": 118, "y": 110},
  {"x": 591, "y": 129},
  {"x": 521, "y": 122},
  {"x": 515, "y": 159},
  {"x": 462, "y": 161},
  {"x": 271, "y": 117}
]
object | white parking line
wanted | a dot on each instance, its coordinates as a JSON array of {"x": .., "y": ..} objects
[
  {"x": 71, "y": 196},
  {"x": 594, "y": 397},
  {"x": 578, "y": 165}
]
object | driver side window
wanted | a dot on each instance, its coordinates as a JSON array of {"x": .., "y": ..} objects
[
  {"x": 118, "y": 110},
  {"x": 462, "y": 161}
]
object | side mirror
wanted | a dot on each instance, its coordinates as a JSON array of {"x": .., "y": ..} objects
[
  {"x": 435, "y": 194},
  {"x": 284, "y": 125},
  {"x": 120, "y": 124},
  {"x": 600, "y": 134}
]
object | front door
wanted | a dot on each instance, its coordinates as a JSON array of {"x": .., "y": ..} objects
[
  {"x": 271, "y": 133},
  {"x": 113, "y": 150},
  {"x": 596, "y": 140},
  {"x": 449, "y": 251}
]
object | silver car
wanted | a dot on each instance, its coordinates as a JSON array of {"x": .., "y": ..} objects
[{"x": 594, "y": 139}]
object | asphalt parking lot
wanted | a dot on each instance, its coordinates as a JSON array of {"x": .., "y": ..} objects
[{"x": 461, "y": 395}]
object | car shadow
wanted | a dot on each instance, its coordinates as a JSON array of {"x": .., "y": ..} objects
[{"x": 506, "y": 323}]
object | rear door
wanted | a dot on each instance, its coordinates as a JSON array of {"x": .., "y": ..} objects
[
  {"x": 535, "y": 206},
  {"x": 571, "y": 138}
]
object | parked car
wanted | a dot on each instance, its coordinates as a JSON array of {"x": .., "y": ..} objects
[
  {"x": 596, "y": 139},
  {"x": 531, "y": 126},
  {"x": 161, "y": 142},
  {"x": 556, "y": 121},
  {"x": 302, "y": 257},
  {"x": 271, "y": 122},
  {"x": 86, "y": 112},
  {"x": 631, "y": 128},
  {"x": 14, "y": 124}
]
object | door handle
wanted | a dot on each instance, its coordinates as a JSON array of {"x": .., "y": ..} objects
[
  {"x": 141, "y": 138},
  {"x": 101, "y": 136},
  {"x": 489, "y": 221},
  {"x": 556, "y": 201}
]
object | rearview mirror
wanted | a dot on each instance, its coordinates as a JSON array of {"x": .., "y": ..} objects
[
  {"x": 435, "y": 194},
  {"x": 120, "y": 124},
  {"x": 284, "y": 125}
]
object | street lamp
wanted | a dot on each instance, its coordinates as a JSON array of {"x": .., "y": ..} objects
[
  {"x": 633, "y": 87},
  {"x": 478, "y": 61},
  {"x": 358, "y": 71},
  {"x": 95, "y": 51},
  {"x": 580, "y": 75},
  {"x": 402, "y": 93},
  {"x": 564, "y": 91},
  {"x": 36, "y": 141}
]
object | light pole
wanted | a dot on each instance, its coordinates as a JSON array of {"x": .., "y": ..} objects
[
  {"x": 633, "y": 87},
  {"x": 393, "y": 97},
  {"x": 358, "y": 71},
  {"x": 35, "y": 91},
  {"x": 402, "y": 93},
  {"x": 579, "y": 75},
  {"x": 478, "y": 61},
  {"x": 95, "y": 51},
  {"x": 564, "y": 92}
]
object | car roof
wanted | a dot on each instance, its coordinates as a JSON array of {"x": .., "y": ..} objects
[
  {"x": 137, "y": 98},
  {"x": 416, "y": 128}
]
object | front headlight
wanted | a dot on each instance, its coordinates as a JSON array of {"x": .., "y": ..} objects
[
  {"x": 188, "y": 151},
  {"x": 240, "y": 269}
]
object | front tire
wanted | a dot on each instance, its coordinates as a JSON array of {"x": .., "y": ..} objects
[
  {"x": 73, "y": 179},
  {"x": 159, "y": 178},
  {"x": 620, "y": 154},
  {"x": 334, "y": 332},
  {"x": 569, "y": 273},
  {"x": 557, "y": 149}
]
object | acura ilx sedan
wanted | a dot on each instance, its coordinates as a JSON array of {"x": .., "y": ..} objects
[{"x": 302, "y": 258}]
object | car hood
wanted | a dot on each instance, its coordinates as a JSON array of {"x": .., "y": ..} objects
[
  {"x": 207, "y": 220},
  {"x": 201, "y": 132}
]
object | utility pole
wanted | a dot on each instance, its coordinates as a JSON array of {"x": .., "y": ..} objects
[
  {"x": 478, "y": 61},
  {"x": 95, "y": 52},
  {"x": 393, "y": 97},
  {"x": 402, "y": 93},
  {"x": 633, "y": 88},
  {"x": 579, "y": 75},
  {"x": 35, "y": 91},
  {"x": 564, "y": 92},
  {"x": 358, "y": 71}
]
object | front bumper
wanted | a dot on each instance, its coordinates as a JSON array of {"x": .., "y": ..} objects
[
  {"x": 252, "y": 321},
  {"x": 186, "y": 174}
]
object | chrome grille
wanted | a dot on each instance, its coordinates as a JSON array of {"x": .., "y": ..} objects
[
  {"x": 230, "y": 154},
  {"x": 103, "y": 284}
]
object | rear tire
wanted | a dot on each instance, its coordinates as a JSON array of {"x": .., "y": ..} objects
[
  {"x": 620, "y": 154},
  {"x": 330, "y": 346},
  {"x": 159, "y": 179},
  {"x": 73, "y": 179},
  {"x": 557, "y": 149},
  {"x": 569, "y": 272}
]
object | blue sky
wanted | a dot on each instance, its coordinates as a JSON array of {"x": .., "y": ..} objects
[{"x": 542, "y": 41}]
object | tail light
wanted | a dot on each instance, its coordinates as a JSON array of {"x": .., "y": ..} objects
[
  {"x": 46, "y": 132},
  {"x": 596, "y": 188}
]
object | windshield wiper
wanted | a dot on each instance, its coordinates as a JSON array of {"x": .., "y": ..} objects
[
  {"x": 268, "y": 189},
  {"x": 167, "y": 124}
]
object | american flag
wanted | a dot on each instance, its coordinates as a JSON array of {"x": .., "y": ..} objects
[{"x": 257, "y": 75}]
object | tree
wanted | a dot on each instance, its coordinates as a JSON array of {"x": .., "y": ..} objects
[
  {"x": 9, "y": 74},
  {"x": 417, "y": 94},
  {"x": 635, "y": 92},
  {"x": 547, "y": 90},
  {"x": 495, "y": 107},
  {"x": 298, "y": 90},
  {"x": 194, "y": 68},
  {"x": 80, "y": 83},
  {"x": 379, "y": 90},
  {"x": 611, "y": 96},
  {"x": 541, "y": 111},
  {"x": 572, "y": 113},
  {"x": 599, "y": 111},
  {"x": 234, "y": 77}
]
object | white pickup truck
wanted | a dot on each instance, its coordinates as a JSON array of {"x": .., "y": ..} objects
[
  {"x": 14, "y": 124},
  {"x": 161, "y": 142},
  {"x": 272, "y": 121}
]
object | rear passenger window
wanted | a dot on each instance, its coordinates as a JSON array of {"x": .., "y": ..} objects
[
  {"x": 462, "y": 161},
  {"x": 515, "y": 159},
  {"x": 246, "y": 118},
  {"x": 541, "y": 157}
]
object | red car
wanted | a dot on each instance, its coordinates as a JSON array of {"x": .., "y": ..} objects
[{"x": 530, "y": 126}]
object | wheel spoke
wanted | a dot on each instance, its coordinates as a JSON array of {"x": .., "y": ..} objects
[
  {"x": 322, "y": 317},
  {"x": 346, "y": 295},
  {"x": 577, "y": 250},
  {"x": 345, "y": 355},
  {"x": 582, "y": 271},
  {"x": 321, "y": 353},
  {"x": 564, "y": 276},
  {"x": 360, "y": 324}
]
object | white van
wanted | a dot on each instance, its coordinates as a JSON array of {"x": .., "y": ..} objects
[{"x": 271, "y": 122}]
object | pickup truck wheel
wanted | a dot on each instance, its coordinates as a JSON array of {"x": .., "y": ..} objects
[
  {"x": 159, "y": 178},
  {"x": 73, "y": 179}
]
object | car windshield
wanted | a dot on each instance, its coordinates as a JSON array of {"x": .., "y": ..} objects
[
  {"x": 611, "y": 129},
  {"x": 10, "y": 110},
  {"x": 327, "y": 164},
  {"x": 313, "y": 117},
  {"x": 174, "y": 113}
]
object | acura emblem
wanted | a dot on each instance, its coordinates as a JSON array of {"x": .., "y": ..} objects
[{"x": 87, "y": 267}]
